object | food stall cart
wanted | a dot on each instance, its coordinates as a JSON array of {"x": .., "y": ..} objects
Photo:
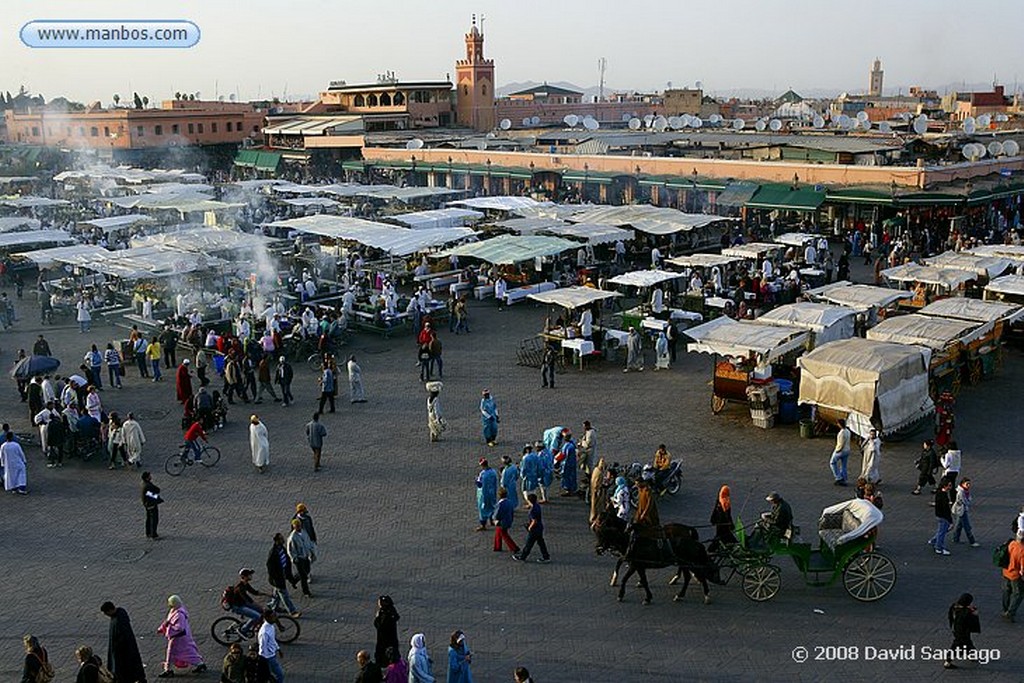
[
  {"x": 868, "y": 383},
  {"x": 951, "y": 342},
  {"x": 825, "y": 322},
  {"x": 985, "y": 267},
  {"x": 985, "y": 355},
  {"x": 1008, "y": 289},
  {"x": 644, "y": 281},
  {"x": 875, "y": 303},
  {"x": 928, "y": 283},
  {"x": 752, "y": 251},
  {"x": 712, "y": 306},
  {"x": 567, "y": 336},
  {"x": 744, "y": 353}
]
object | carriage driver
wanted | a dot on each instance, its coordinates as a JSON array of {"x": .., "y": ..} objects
[{"x": 780, "y": 517}]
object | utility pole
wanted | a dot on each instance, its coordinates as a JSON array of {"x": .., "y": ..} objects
[{"x": 602, "y": 64}]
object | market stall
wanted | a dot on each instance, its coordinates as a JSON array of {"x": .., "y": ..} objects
[
  {"x": 874, "y": 302},
  {"x": 984, "y": 267},
  {"x": 644, "y": 281},
  {"x": 951, "y": 342},
  {"x": 985, "y": 354},
  {"x": 569, "y": 334},
  {"x": 868, "y": 383},
  {"x": 744, "y": 353},
  {"x": 752, "y": 251},
  {"x": 825, "y": 322},
  {"x": 928, "y": 283},
  {"x": 690, "y": 232},
  {"x": 511, "y": 250}
]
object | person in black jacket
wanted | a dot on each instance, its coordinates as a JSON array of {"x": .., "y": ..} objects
[
  {"x": 386, "y": 623},
  {"x": 944, "y": 516},
  {"x": 279, "y": 574},
  {"x": 283, "y": 376},
  {"x": 150, "y": 501},
  {"x": 963, "y": 621},
  {"x": 88, "y": 665},
  {"x": 123, "y": 657},
  {"x": 927, "y": 464},
  {"x": 35, "y": 659}
]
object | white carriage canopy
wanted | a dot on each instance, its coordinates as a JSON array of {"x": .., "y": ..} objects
[
  {"x": 17, "y": 239},
  {"x": 653, "y": 220},
  {"x": 438, "y": 218},
  {"x": 700, "y": 260},
  {"x": 742, "y": 339},
  {"x": 854, "y": 376},
  {"x": 751, "y": 250},
  {"x": 935, "y": 333},
  {"x": 509, "y": 249},
  {"x": 112, "y": 223},
  {"x": 982, "y": 266},
  {"x": 388, "y": 238},
  {"x": 974, "y": 310},
  {"x": 862, "y": 516},
  {"x": 46, "y": 258},
  {"x": 827, "y": 322},
  {"x": 945, "y": 278},
  {"x": 644, "y": 278},
  {"x": 18, "y": 223},
  {"x": 796, "y": 239},
  {"x": 1012, "y": 285},
  {"x": 572, "y": 297},
  {"x": 860, "y": 297}
]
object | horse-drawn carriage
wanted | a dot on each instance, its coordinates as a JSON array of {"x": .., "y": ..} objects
[{"x": 845, "y": 541}]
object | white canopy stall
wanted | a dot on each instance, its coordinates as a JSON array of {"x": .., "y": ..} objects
[
  {"x": 864, "y": 298},
  {"x": 10, "y": 240},
  {"x": 572, "y": 297},
  {"x": 31, "y": 202},
  {"x": 388, "y": 238},
  {"x": 644, "y": 278},
  {"x": 973, "y": 310},
  {"x": 438, "y": 218},
  {"x": 1010, "y": 252},
  {"x": 825, "y": 322},
  {"x": 499, "y": 203},
  {"x": 113, "y": 223},
  {"x": 942, "y": 279},
  {"x": 869, "y": 383},
  {"x": 591, "y": 233},
  {"x": 1006, "y": 288},
  {"x": 701, "y": 260},
  {"x": 796, "y": 239},
  {"x": 18, "y": 224},
  {"x": 509, "y": 249},
  {"x": 47, "y": 258},
  {"x": 985, "y": 267},
  {"x": 935, "y": 333},
  {"x": 751, "y": 251}
]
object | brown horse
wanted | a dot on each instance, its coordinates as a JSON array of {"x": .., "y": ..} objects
[{"x": 683, "y": 550}]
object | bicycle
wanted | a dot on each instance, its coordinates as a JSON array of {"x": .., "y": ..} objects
[
  {"x": 228, "y": 629},
  {"x": 176, "y": 464}
]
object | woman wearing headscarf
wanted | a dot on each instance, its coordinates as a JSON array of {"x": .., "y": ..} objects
[
  {"x": 721, "y": 517},
  {"x": 259, "y": 443},
  {"x": 661, "y": 350},
  {"x": 964, "y": 622},
  {"x": 621, "y": 501},
  {"x": 435, "y": 422},
  {"x": 36, "y": 660},
  {"x": 355, "y": 381},
  {"x": 420, "y": 665},
  {"x": 181, "y": 647},
  {"x": 386, "y": 623},
  {"x": 459, "y": 659}
]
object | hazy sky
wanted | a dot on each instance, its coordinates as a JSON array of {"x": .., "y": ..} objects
[{"x": 294, "y": 47}]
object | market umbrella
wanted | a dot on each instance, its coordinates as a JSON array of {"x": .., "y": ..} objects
[
  {"x": 34, "y": 365},
  {"x": 79, "y": 380}
]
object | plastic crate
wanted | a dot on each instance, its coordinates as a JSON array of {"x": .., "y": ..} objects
[{"x": 764, "y": 422}]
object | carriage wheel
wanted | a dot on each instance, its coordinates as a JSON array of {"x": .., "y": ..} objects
[
  {"x": 717, "y": 404},
  {"x": 869, "y": 577},
  {"x": 762, "y": 582},
  {"x": 975, "y": 371}
]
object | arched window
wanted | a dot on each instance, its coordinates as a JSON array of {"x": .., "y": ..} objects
[
  {"x": 465, "y": 90},
  {"x": 371, "y": 100},
  {"x": 359, "y": 101},
  {"x": 483, "y": 90},
  {"x": 385, "y": 100},
  {"x": 399, "y": 99}
]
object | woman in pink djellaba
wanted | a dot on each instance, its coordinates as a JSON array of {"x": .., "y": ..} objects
[{"x": 181, "y": 647}]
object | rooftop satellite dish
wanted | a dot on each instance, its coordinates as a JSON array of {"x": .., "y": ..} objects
[
  {"x": 415, "y": 143},
  {"x": 660, "y": 124},
  {"x": 845, "y": 122},
  {"x": 526, "y": 122},
  {"x": 491, "y": 135},
  {"x": 969, "y": 125},
  {"x": 818, "y": 121},
  {"x": 1002, "y": 118},
  {"x": 968, "y": 151},
  {"x": 481, "y": 145},
  {"x": 866, "y": 125},
  {"x": 995, "y": 148},
  {"x": 569, "y": 120},
  {"x": 885, "y": 127},
  {"x": 921, "y": 124},
  {"x": 715, "y": 119},
  {"x": 648, "y": 119},
  {"x": 591, "y": 124},
  {"x": 738, "y": 124},
  {"x": 635, "y": 123},
  {"x": 906, "y": 115},
  {"x": 505, "y": 124},
  {"x": 982, "y": 150},
  {"x": 984, "y": 120},
  {"x": 862, "y": 116},
  {"x": 833, "y": 116},
  {"x": 775, "y": 125},
  {"x": 699, "y": 85},
  {"x": 696, "y": 122},
  {"x": 626, "y": 117},
  {"x": 686, "y": 120},
  {"x": 1011, "y": 148},
  {"x": 760, "y": 125},
  {"x": 534, "y": 120},
  {"x": 675, "y": 122}
]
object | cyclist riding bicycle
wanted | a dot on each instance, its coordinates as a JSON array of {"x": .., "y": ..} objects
[
  {"x": 238, "y": 601},
  {"x": 192, "y": 436}
]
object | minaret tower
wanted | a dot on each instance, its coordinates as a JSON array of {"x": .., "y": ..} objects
[{"x": 474, "y": 82}]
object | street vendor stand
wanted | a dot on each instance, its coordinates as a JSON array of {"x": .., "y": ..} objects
[
  {"x": 744, "y": 354},
  {"x": 951, "y": 342},
  {"x": 874, "y": 302},
  {"x": 929, "y": 282},
  {"x": 984, "y": 355},
  {"x": 984, "y": 267},
  {"x": 644, "y": 281},
  {"x": 1008, "y": 289},
  {"x": 696, "y": 301},
  {"x": 825, "y": 322},
  {"x": 870, "y": 384},
  {"x": 567, "y": 337}
]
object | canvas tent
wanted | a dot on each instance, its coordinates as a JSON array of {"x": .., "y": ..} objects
[
  {"x": 644, "y": 278},
  {"x": 572, "y": 297},
  {"x": 985, "y": 267},
  {"x": 743, "y": 339},
  {"x": 960, "y": 308},
  {"x": 946, "y": 279},
  {"x": 935, "y": 333},
  {"x": 826, "y": 322},
  {"x": 508, "y": 249},
  {"x": 875, "y": 384}
]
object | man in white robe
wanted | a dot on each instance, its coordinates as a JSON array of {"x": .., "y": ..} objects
[
  {"x": 12, "y": 458},
  {"x": 133, "y": 439},
  {"x": 259, "y": 443}
]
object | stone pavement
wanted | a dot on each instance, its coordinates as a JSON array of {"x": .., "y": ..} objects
[{"x": 395, "y": 514}]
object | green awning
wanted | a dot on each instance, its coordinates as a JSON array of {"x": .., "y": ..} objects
[
  {"x": 860, "y": 195},
  {"x": 655, "y": 180},
  {"x": 928, "y": 199},
  {"x": 353, "y": 165},
  {"x": 784, "y": 197},
  {"x": 268, "y": 161},
  {"x": 587, "y": 178},
  {"x": 736, "y": 194},
  {"x": 246, "y": 158}
]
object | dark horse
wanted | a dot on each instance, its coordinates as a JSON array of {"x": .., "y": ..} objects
[{"x": 687, "y": 554}]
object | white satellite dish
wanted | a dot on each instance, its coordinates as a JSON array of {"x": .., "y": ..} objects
[
  {"x": 716, "y": 119},
  {"x": 862, "y": 116},
  {"x": 687, "y": 120},
  {"x": 590, "y": 123},
  {"x": 415, "y": 143},
  {"x": 866, "y": 125},
  {"x": 885, "y": 127},
  {"x": 481, "y": 145},
  {"x": 526, "y": 122},
  {"x": 570, "y": 120},
  {"x": 1011, "y": 148},
  {"x": 845, "y": 122},
  {"x": 818, "y": 121},
  {"x": 491, "y": 135},
  {"x": 535, "y": 121},
  {"x": 699, "y": 85},
  {"x": 982, "y": 150},
  {"x": 738, "y": 124},
  {"x": 1002, "y": 118},
  {"x": 505, "y": 124},
  {"x": 834, "y": 116},
  {"x": 968, "y": 151},
  {"x": 660, "y": 124},
  {"x": 760, "y": 125},
  {"x": 675, "y": 122},
  {"x": 995, "y": 148},
  {"x": 648, "y": 119},
  {"x": 635, "y": 123},
  {"x": 906, "y": 115},
  {"x": 921, "y": 124},
  {"x": 626, "y": 117},
  {"x": 984, "y": 120},
  {"x": 696, "y": 122},
  {"x": 969, "y": 125},
  {"x": 775, "y": 125}
]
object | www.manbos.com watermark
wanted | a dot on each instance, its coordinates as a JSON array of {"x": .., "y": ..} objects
[
  {"x": 904, "y": 653},
  {"x": 127, "y": 33}
]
